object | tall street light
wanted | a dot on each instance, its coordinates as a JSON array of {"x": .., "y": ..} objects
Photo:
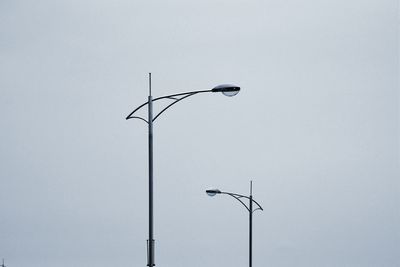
[
  {"x": 213, "y": 192},
  {"x": 226, "y": 89}
]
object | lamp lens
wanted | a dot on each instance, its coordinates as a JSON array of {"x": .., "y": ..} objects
[
  {"x": 230, "y": 93},
  {"x": 211, "y": 193}
]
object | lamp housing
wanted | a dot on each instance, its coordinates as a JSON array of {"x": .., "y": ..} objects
[{"x": 227, "y": 89}]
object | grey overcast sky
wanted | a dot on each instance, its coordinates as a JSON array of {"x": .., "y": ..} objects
[{"x": 316, "y": 126}]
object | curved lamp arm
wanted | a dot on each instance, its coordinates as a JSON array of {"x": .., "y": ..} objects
[
  {"x": 226, "y": 89},
  {"x": 175, "y": 97},
  {"x": 238, "y": 197}
]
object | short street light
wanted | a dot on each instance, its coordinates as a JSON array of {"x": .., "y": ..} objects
[
  {"x": 212, "y": 192},
  {"x": 226, "y": 89}
]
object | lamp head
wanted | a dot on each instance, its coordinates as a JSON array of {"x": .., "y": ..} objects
[
  {"x": 213, "y": 192},
  {"x": 227, "y": 89}
]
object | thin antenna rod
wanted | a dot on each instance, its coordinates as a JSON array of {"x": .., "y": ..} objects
[
  {"x": 149, "y": 83},
  {"x": 251, "y": 187}
]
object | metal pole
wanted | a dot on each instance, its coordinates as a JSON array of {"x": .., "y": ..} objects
[
  {"x": 150, "y": 255},
  {"x": 251, "y": 226}
]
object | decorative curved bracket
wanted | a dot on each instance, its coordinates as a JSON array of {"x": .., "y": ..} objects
[
  {"x": 238, "y": 197},
  {"x": 137, "y": 117},
  {"x": 175, "y": 97},
  {"x": 173, "y": 103}
]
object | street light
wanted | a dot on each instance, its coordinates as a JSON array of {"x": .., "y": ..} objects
[
  {"x": 213, "y": 192},
  {"x": 226, "y": 89}
]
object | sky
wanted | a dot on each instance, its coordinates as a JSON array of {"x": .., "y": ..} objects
[{"x": 315, "y": 126}]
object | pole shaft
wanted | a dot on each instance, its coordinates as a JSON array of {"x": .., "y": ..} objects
[
  {"x": 251, "y": 232},
  {"x": 151, "y": 216}
]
